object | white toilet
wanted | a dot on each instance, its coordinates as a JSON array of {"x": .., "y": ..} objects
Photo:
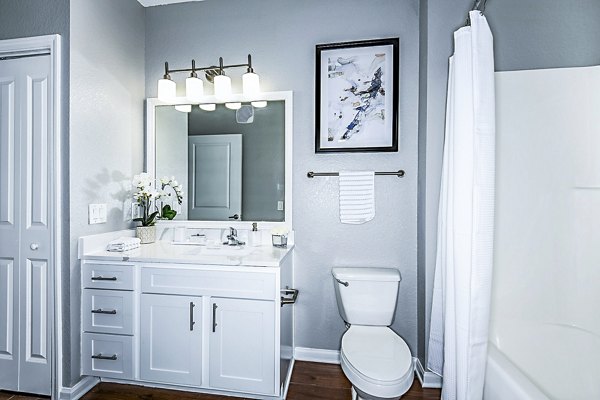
[{"x": 377, "y": 361}]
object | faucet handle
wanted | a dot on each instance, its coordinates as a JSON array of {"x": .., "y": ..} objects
[{"x": 232, "y": 231}]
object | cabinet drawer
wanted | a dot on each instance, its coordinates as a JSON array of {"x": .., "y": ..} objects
[
  {"x": 108, "y": 356},
  {"x": 248, "y": 285},
  {"x": 107, "y": 276},
  {"x": 108, "y": 311}
]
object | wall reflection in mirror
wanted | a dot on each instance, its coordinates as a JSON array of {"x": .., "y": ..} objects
[{"x": 232, "y": 162}]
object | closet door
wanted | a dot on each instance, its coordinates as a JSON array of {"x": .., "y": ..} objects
[{"x": 25, "y": 222}]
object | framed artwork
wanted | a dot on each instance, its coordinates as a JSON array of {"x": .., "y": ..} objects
[{"x": 357, "y": 96}]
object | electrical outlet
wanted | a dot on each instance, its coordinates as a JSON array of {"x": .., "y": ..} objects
[
  {"x": 136, "y": 211},
  {"x": 280, "y": 205}
]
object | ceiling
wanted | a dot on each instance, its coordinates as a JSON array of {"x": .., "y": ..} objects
[{"x": 151, "y": 3}]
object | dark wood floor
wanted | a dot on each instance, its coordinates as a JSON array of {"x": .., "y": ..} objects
[{"x": 310, "y": 381}]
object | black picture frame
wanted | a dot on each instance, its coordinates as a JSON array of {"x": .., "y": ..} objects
[{"x": 346, "y": 101}]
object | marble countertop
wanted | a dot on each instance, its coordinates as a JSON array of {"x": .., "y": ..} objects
[{"x": 166, "y": 252}]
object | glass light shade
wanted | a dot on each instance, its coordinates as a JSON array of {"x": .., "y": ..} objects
[
  {"x": 259, "y": 104},
  {"x": 233, "y": 106},
  {"x": 208, "y": 107},
  {"x": 250, "y": 84},
  {"x": 167, "y": 90},
  {"x": 186, "y": 108},
  {"x": 222, "y": 86},
  {"x": 194, "y": 89}
]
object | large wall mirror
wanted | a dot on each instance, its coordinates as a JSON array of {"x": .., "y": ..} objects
[{"x": 235, "y": 165}]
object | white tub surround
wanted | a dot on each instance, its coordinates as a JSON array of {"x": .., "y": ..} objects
[
  {"x": 177, "y": 317},
  {"x": 544, "y": 320}
]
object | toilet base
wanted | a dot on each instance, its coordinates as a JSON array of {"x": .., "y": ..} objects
[{"x": 359, "y": 395}]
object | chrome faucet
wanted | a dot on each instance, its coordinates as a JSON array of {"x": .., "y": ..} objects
[{"x": 232, "y": 239}]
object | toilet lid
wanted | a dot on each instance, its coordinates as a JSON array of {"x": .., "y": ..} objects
[{"x": 377, "y": 352}]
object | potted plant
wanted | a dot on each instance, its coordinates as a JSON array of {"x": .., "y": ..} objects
[
  {"x": 149, "y": 198},
  {"x": 144, "y": 196}
]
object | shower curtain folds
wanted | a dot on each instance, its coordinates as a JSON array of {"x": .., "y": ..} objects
[{"x": 462, "y": 284}]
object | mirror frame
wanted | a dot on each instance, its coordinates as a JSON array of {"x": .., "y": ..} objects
[{"x": 150, "y": 157}]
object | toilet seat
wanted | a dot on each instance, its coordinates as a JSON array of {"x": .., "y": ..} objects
[{"x": 377, "y": 361}]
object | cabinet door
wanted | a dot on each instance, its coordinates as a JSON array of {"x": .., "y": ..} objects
[
  {"x": 242, "y": 345},
  {"x": 171, "y": 339}
]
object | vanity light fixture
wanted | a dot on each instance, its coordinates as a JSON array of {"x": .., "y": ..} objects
[
  {"x": 194, "y": 86},
  {"x": 208, "y": 107},
  {"x": 186, "y": 108},
  {"x": 166, "y": 87},
  {"x": 259, "y": 104},
  {"x": 233, "y": 106}
]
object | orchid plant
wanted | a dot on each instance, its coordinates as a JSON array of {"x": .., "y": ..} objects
[{"x": 147, "y": 196}]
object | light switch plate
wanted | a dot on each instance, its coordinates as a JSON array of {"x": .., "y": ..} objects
[
  {"x": 280, "y": 205},
  {"x": 97, "y": 213}
]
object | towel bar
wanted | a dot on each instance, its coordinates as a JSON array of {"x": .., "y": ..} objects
[{"x": 311, "y": 174}]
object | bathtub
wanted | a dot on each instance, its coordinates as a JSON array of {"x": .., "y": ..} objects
[{"x": 542, "y": 361}]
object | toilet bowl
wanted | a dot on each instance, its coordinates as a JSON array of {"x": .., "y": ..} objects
[
  {"x": 374, "y": 358},
  {"x": 377, "y": 362}
]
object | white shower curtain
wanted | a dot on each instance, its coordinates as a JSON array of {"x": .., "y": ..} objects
[{"x": 462, "y": 286}]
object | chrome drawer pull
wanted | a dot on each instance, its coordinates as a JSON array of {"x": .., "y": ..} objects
[
  {"x": 101, "y": 311},
  {"x": 286, "y": 300},
  {"x": 101, "y": 278},
  {"x": 192, "y": 305},
  {"x": 99, "y": 356},
  {"x": 214, "y": 317}
]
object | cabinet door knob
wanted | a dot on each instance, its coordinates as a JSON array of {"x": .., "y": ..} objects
[{"x": 34, "y": 246}]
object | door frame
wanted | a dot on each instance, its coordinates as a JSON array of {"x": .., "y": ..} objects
[{"x": 51, "y": 44}]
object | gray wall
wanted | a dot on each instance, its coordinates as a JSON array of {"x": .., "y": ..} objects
[
  {"x": 106, "y": 130},
  {"x": 281, "y": 35},
  {"x": 528, "y": 34}
]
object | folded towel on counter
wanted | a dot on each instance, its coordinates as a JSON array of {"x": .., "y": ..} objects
[
  {"x": 357, "y": 196},
  {"x": 123, "y": 244}
]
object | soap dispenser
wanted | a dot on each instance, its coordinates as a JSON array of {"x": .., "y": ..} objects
[{"x": 254, "y": 236}]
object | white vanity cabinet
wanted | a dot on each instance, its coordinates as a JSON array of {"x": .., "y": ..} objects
[
  {"x": 192, "y": 326},
  {"x": 242, "y": 334},
  {"x": 171, "y": 339}
]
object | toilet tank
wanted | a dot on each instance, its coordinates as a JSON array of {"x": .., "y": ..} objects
[{"x": 366, "y": 296}]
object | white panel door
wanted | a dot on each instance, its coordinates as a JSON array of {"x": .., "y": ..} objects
[
  {"x": 25, "y": 224},
  {"x": 215, "y": 177},
  {"x": 171, "y": 339},
  {"x": 242, "y": 351}
]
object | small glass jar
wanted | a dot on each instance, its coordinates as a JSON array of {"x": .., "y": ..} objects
[{"x": 279, "y": 240}]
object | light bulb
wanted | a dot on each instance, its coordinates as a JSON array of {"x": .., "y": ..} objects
[
  {"x": 222, "y": 86},
  {"x": 194, "y": 89},
  {"x": 186, "y": 108},
  {"x": 233, "y": 106},
  {"x": 250, "y": 84},
  {"x": 259, "y": 104},
  {"x": 167, "y": 90},
  {"x": 208, "y": 107}
]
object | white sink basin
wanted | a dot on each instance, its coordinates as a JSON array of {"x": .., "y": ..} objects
[{"x": 220, "y": 250}]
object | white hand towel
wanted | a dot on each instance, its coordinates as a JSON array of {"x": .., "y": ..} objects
[
  {"x": 357, "y": 196},
  {"x": 123, "y": 244}
]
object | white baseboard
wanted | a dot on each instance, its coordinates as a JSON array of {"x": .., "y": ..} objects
[
  {"x": 427, "y": 378},
  {"x": 82, "y": 387},
  {"x": 317, "y": 355}
]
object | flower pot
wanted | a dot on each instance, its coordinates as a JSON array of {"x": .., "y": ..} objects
[{"x": 146, "y": 234}]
